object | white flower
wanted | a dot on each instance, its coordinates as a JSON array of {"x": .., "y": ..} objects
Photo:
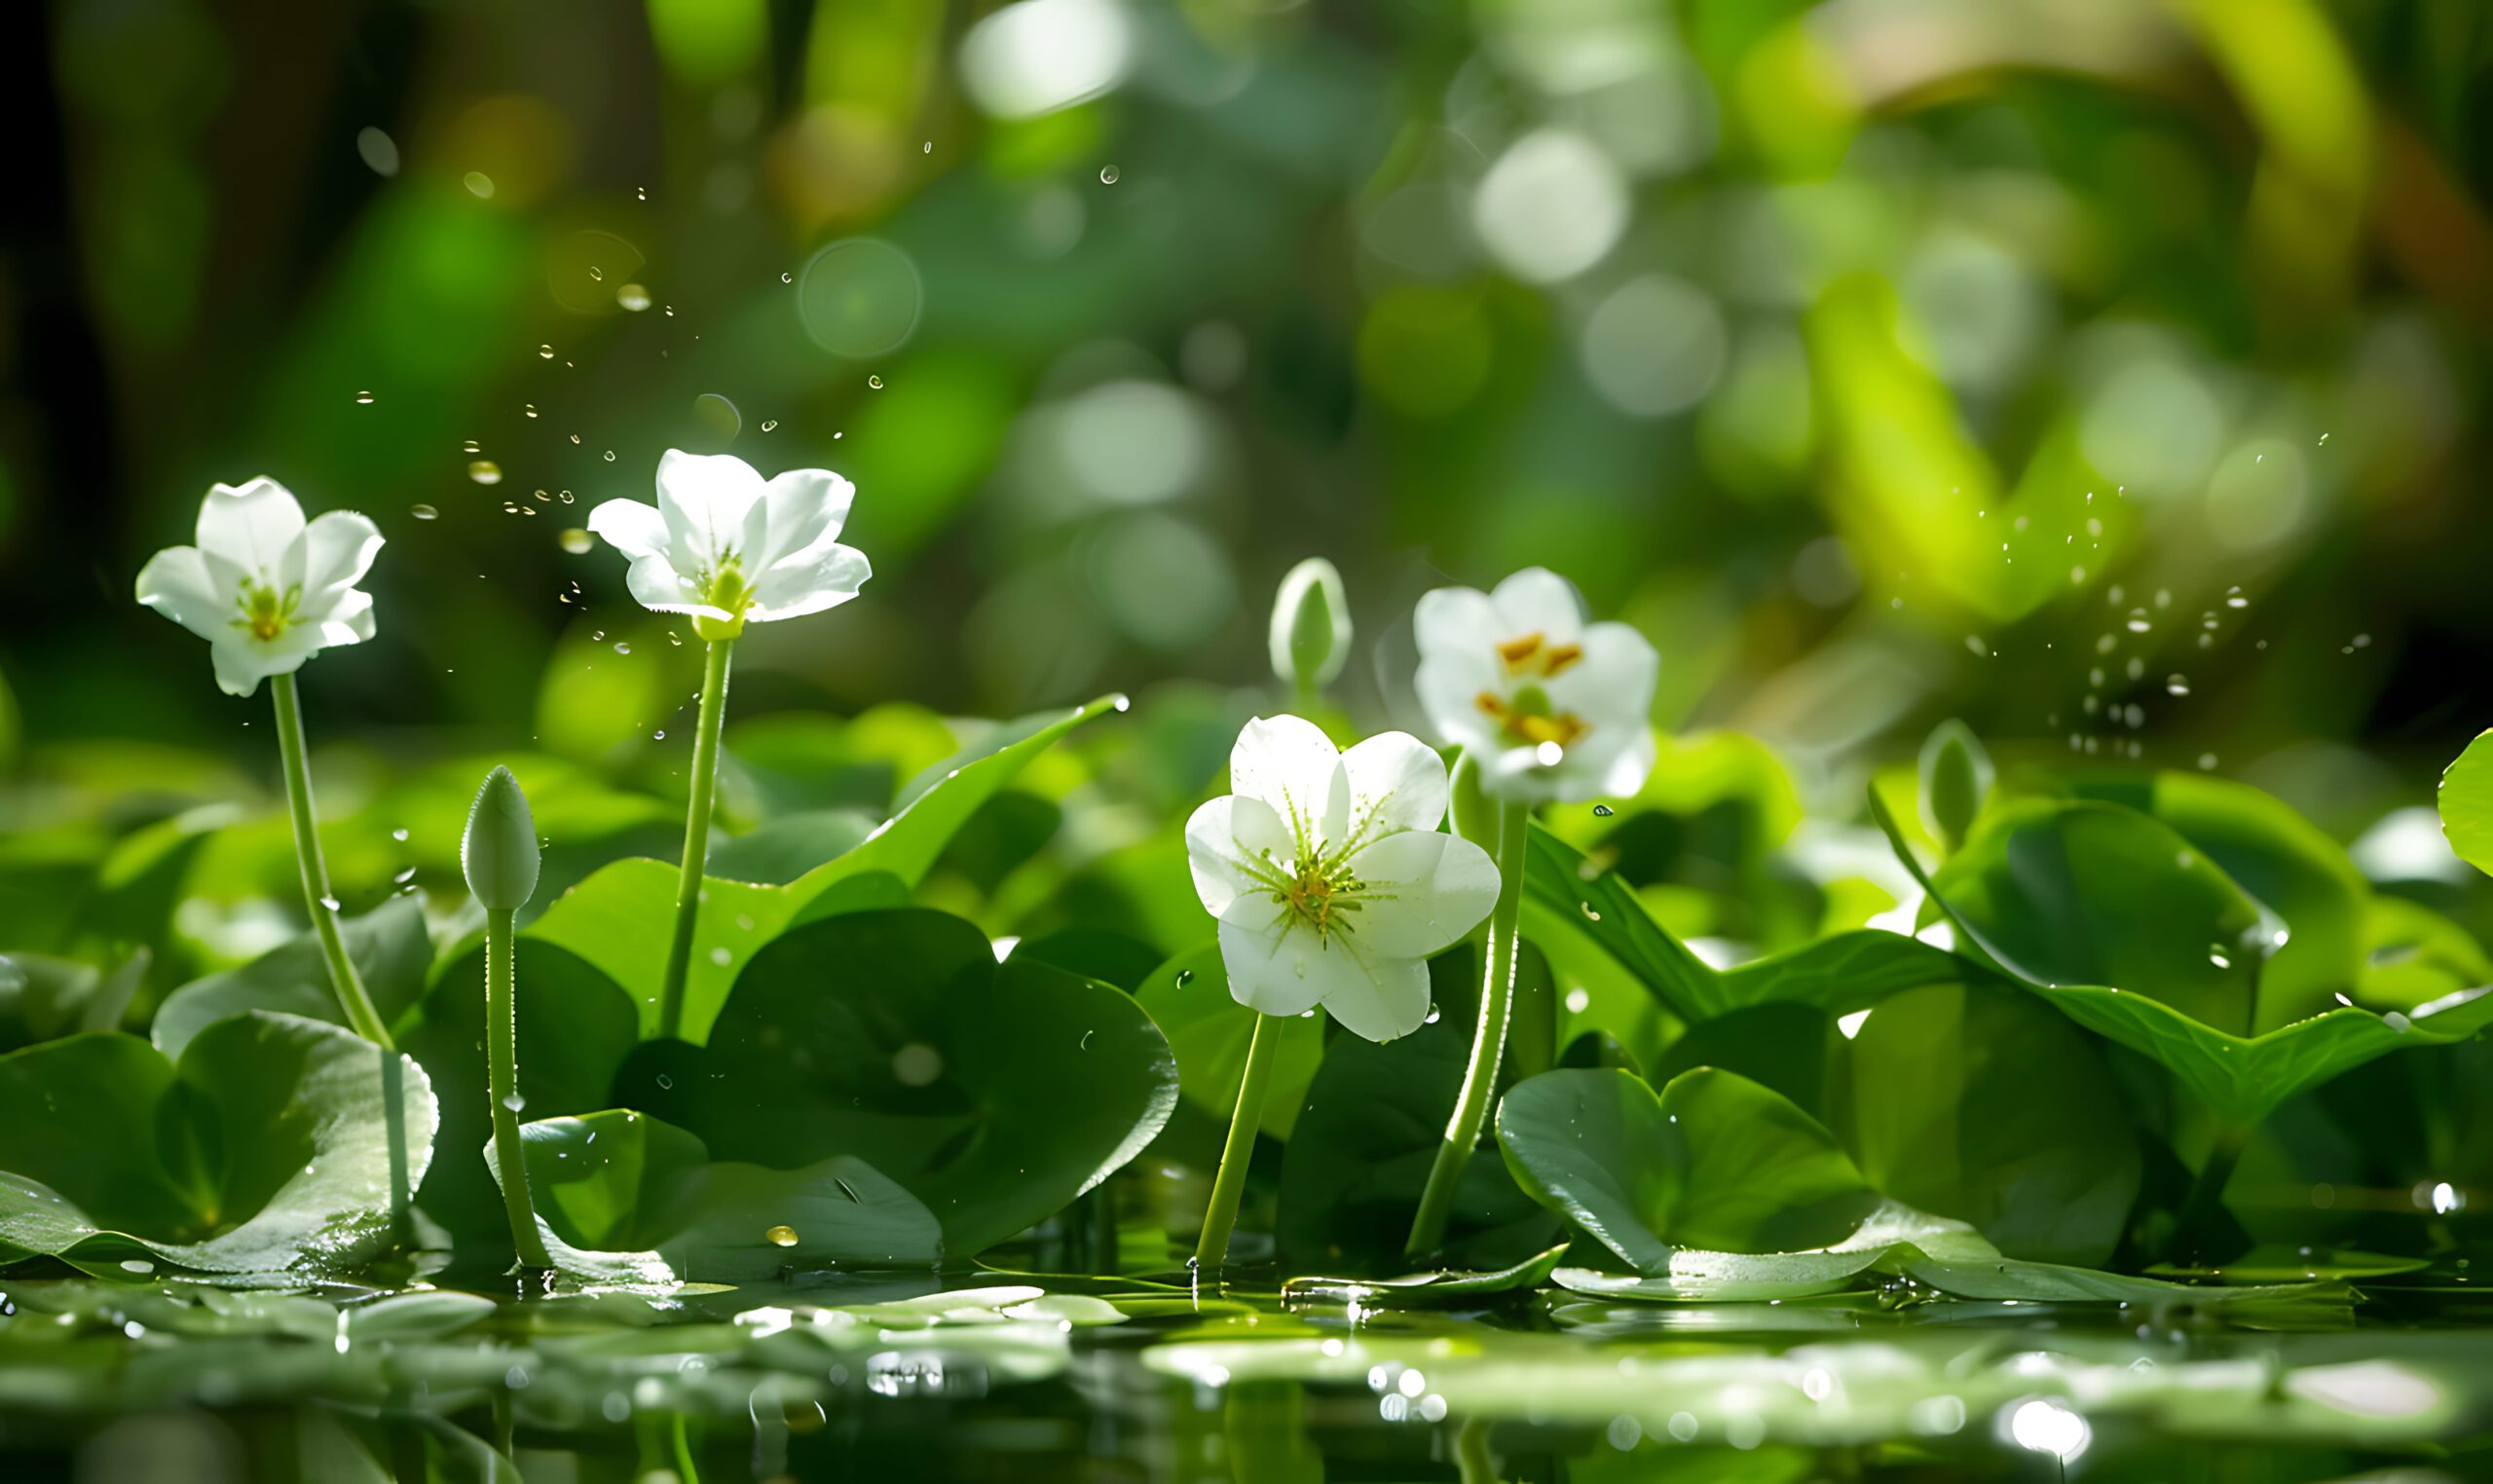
[
  {"x": 1328, "y": 875},
  {"x": 1551, "y": 708},
  {"x": 266, "y": 591},
  {"x": 726, "y": 548}
]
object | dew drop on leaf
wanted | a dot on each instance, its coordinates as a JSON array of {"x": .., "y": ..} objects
[
  {"x": 1603, "y": 811},
  {"x": 485, "y": 472},
  {"x": 423, "y": 512},
  {"x": 1107, "y": 174},
  {"x": 781, "y": 1236}
]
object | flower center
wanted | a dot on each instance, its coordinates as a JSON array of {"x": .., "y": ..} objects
[
  {"x": 1527, "y": 719},
  {"x": 1532, "y": 654},
  {"x": 1317, "y": 888},
  {"x": 266, "y": 611}
]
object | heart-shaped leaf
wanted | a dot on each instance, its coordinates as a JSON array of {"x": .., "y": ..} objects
[
  {"x": 273, "y": 1145},
  {"x": 992, "y": 1092},
  {"x": 1716, "y": 1160},
  {"x": 615, "y": 1180},
  {"x": 2240, "y": 1078},
  {"x": 43, "y": 997}
]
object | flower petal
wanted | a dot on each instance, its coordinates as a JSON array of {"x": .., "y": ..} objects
[
  {"x": 1396, "y": 782},
  {"x": 803, "y": 506},
  {"x": 348, "y": 620},
  {"x": 705, "y": 499},
  {"x": 1538, "y": 601},
  {"x": 1458, "y": 637},
  {"x": 1427, "y": 890},
  {"x": 254, "y": 526},
  {"x": 824, "y": 576},
  {"x": 176, "y": 583},
  {"x": 656, "y": 585},
  {"x": 1388, "y": 1006},
  {"x": 1627, "y": 773},
  {"x": 338, "y": 548},
  {"x": 243, "y": 662},
  {"x": 1287, "y": 761},
  {"x": 1225, "y": 839},
  {"x": 1457, "y": 621},
  {"x": 1613, "y": 683},
  {"x": 630, "y": 527},
  {"x": 1269, "y": 969}
]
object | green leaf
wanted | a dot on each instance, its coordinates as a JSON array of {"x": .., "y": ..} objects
[
  {"x": 619, "y": 919},
  {"x": 1207, "y": 1031},
  {"x": 994, "y": 1093},
  {"x": 1717, "y": 1161},
  {"x": 389, "y": 948},
  {"x": 1447, "y": 1288},
  {"x": 273, "y": 1145},
  {"x": 1111, "y": 957},
  {"x": 2466, "y": 804},
  {"x": 1980, "y": 1104},
  {"x": 43, "y": 997},
  {"x": 615, "y": 1180},
  {"x": 2240, "y": 1078},
  {"x": 1568, "y": 897},
  {"x": 786, "y": 847},
  {"x": 1360, "y": 1154},
  {"x": 2413, "y": 955},
  {"x": 2282, "y": 861},
  {"x": 2092, "y": 893}
]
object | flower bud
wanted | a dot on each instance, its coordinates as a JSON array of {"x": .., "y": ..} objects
[
  {"x": 1311, "y": 637},
  {"x": 499, "y": 851},
  {"x": 1955, "y": 777}
]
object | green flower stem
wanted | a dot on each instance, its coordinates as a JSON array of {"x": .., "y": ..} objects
[
  {"x": 1211, "y": 1249},
  {"x": 343, "y": 978},
  {"x": 1481, "y": 1078},
  {"x": 502, "y": 1084},
  {"x": 696, "y": 832}
]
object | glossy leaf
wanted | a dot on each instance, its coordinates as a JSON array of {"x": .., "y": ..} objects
[
  {"x": 2467, "y": 803},
  {"x": 616, "y": 1180},
  {"x": 992, "y": 1092},
  {"x": 273, "y": 1145},
  {"x": 2240, "y": 1078},
  {"x": 389, "y": 948},
  {"x": 1716, "y": 1162},
  {"x": 1451, "y": 1289},
  {"x": 43, "y": 997}
]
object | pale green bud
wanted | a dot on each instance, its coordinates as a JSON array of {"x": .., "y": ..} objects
[
  {"x": 499, "y": 851},
  {"x": 1956, "y": 778},
  {"x": 1311, "y": 636}
]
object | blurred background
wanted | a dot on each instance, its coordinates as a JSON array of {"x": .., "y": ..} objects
[{"x": 2104, "y": 372}]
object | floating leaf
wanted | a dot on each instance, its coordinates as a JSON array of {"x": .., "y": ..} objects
[
  {"x": 616, "y": 1180},
  {"x": 1445, "y": 1289},
  {"x": 273, "y": 1145}
]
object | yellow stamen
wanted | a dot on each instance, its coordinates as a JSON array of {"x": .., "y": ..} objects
[{"x": 1516, "y": 652}]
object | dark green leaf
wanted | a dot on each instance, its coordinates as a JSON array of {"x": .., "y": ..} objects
[
  {"x": 389, "y": 948},
  {"x": 1208, "y": 1032}
]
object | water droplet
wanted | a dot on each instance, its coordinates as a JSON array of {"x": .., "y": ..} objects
[
  {"x": 564, "y": 496},
  {"x": 769, "y": 423},
  {"x": 2176, "y": 685},
  {"x": 485, "y": 472},
  {"x": 787, "y": 277},
  {"x": 633, "y": 297},
  {"x": 363, "y": 398},
  {"x": 658, "y": 735},
  {"x": 2139, "y": 624},
  {"x": 545, "y": 353},
  {"x": 1603, "y": 811},
  {"x": 623, "y": 647},
  {"x": 530, "y": 409},
  {"x": 1107, "y": 174},
  {"x": 929, "y": 148},
  {"x": 781, "y": 1236},
  {"x": 674, "y": 638},
  {"x": 575, "y": 541},
  {"x": 423, "y": 512},
  {"x": 399, "y": 834},
  {"x": 480, "y": 185},
  {"x": 329, "y": 903},
  {"x": 514, "y": 1103},
  {"x": 875, "y": 382},
  {"x": 610, "y": 456},
  {"x": 666, "y": 1082},
  {"x": 1589, "y": 914},
  {"x": 596, "y": 274},
  {"x": 640, "y": 193},
  {"x": 721, "y": 957}
]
